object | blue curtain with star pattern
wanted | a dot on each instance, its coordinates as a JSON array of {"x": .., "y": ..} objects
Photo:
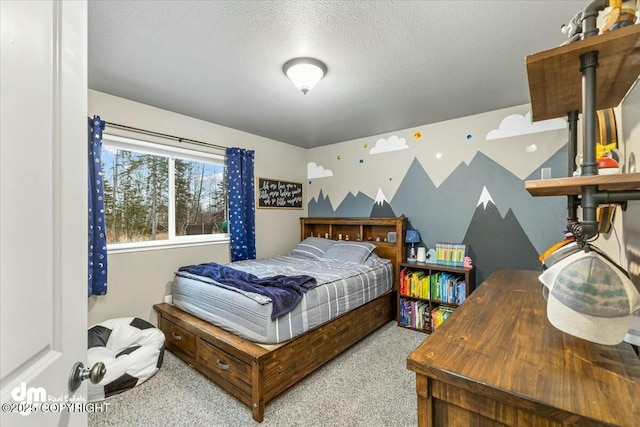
[
  {"x": 241, "y": 203},
  {"x": 97, "y": 226}
]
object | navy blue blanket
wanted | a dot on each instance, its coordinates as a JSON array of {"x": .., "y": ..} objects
[{"x": 285, "y": 291}]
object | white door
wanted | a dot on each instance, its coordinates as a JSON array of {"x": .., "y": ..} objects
[{"x": 43, "y": 209}]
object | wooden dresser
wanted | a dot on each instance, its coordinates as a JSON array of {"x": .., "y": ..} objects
[{"x": 498, "y": 361}]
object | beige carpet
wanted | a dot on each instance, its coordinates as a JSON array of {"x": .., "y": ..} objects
[{"x": 368, "y": 385}]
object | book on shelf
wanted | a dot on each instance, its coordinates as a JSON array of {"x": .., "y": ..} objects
[
  {"x": 403, "y": 275},
  {"x": 461, "y": 292},
  {"x": 435, "y": 288},
  {"x": 414, "y": 314},
  {"x": 448, "y": 287},
  {"x": 451, "y": 254},
  {"x": 414, "y": 284},
  {"x": 425, "y": 287},
  {"x": 439, "y": 315}
]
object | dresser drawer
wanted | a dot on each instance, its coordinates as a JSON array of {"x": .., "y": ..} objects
[
  {"x": 225, "y": 366},
  {"x": 178, "y": 338}
]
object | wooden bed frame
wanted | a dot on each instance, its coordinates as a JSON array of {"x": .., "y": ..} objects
[{"x": 256, "y": 374}]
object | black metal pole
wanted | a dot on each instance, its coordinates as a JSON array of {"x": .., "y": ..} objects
[
  {"x": 588, "y": 65},
  {"x": 572, "y": 205},
  {"x": 590, "y": 17},
  {"x": 617, "y": 197}
]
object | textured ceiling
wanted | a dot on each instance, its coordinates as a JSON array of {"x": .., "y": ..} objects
[{"x": 391, "y": 65}]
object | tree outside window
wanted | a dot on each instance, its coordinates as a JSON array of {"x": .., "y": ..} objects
[{"x": 143, "y": 204}]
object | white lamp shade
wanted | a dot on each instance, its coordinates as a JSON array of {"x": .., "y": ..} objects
[{"x": 305, "y": 73}]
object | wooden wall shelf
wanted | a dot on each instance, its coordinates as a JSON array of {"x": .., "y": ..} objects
[
  {"x": 555, "y": 88},
  {"x": 572, "y": 186},
  {"x": 555, "y": 81}
]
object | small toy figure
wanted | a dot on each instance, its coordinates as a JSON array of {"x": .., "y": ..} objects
[
  {"x": 467, "y": 262},
  {"x": 621, "y": 13},
  {"x": 573, "y": 30}
]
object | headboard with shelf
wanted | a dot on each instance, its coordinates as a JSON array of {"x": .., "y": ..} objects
[{"x": 366, "y": 229}]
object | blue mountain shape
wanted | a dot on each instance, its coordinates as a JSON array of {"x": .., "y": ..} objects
[
  {"x": 498, "y": 242},
  {"x": 446, "y": 213},
  {"x": 320, "y": 207},
  {"x": 382, "y": 210},
  {"x": 355, "y": 206},
  {"x": 443, "y": 214}
]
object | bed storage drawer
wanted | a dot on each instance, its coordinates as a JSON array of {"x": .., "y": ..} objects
[
  {"x": 226, "y": 367},
  {"x": 178, "y": 338}
]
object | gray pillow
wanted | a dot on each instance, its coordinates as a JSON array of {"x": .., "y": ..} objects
[
  {"x": 349, "y": 252},
  {"x": 313, "y": 247}
]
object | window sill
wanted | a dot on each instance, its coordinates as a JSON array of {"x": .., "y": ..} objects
[{"x": 183, "y": 242}]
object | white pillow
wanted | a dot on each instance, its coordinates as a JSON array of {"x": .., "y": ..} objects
[
  {"x": 353, "y": 252},
  {"x": 313, "y": 247}
]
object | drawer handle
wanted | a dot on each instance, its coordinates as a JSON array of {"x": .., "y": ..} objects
[
  {"x": 176, "y": 336},
  {"x": 222, "y": 365}
]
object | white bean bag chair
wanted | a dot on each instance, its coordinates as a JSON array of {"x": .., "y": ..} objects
[{"x": 132, "y": 350}]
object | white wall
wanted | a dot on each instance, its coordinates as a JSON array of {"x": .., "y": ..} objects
[
  {"x": 631, "y": 217},
  {"x": 630, "y": 135},
  {"x": 137, "y": 280}
]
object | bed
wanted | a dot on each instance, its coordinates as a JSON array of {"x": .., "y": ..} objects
[{"x": 256, "y": 358}]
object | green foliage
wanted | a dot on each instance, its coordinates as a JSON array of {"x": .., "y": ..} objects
[{"x": 136, "y": 190}]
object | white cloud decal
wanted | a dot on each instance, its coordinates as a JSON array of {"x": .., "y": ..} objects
[
  {"x": 517, "y": 124},
  {"x": 392, "y": 144},
  {"x": 317, "y": 171}
]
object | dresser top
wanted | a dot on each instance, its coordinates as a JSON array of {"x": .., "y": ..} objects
[{"x": 499, "y": 342}]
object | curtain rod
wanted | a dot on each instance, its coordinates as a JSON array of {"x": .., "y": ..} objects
[{"x": 164, "y": 135}]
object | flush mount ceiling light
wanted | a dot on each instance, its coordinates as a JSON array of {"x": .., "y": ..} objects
[{"x": 305, "y": 73}]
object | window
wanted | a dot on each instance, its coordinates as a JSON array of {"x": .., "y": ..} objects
[{"x": 157, "y": 194}]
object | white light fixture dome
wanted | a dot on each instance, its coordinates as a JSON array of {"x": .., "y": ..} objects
[{"x": 305, "y": 73}]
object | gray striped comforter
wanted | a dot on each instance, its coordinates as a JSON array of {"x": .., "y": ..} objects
[{"x": 341, "y": 287}]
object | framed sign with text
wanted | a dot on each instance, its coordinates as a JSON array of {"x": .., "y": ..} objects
[{"x": 277, "y": 194}]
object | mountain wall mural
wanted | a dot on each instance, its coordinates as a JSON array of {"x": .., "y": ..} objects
[
  {"x": 507, "y": 232},
  {"x": 498, "y": 242},
  {"x": 381, "y": 207}
]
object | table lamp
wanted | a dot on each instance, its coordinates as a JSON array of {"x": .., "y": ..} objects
[{"x": 413, "y": 237}]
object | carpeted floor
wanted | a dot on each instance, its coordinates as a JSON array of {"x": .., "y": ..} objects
[{"x": 368, "y": 385}]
